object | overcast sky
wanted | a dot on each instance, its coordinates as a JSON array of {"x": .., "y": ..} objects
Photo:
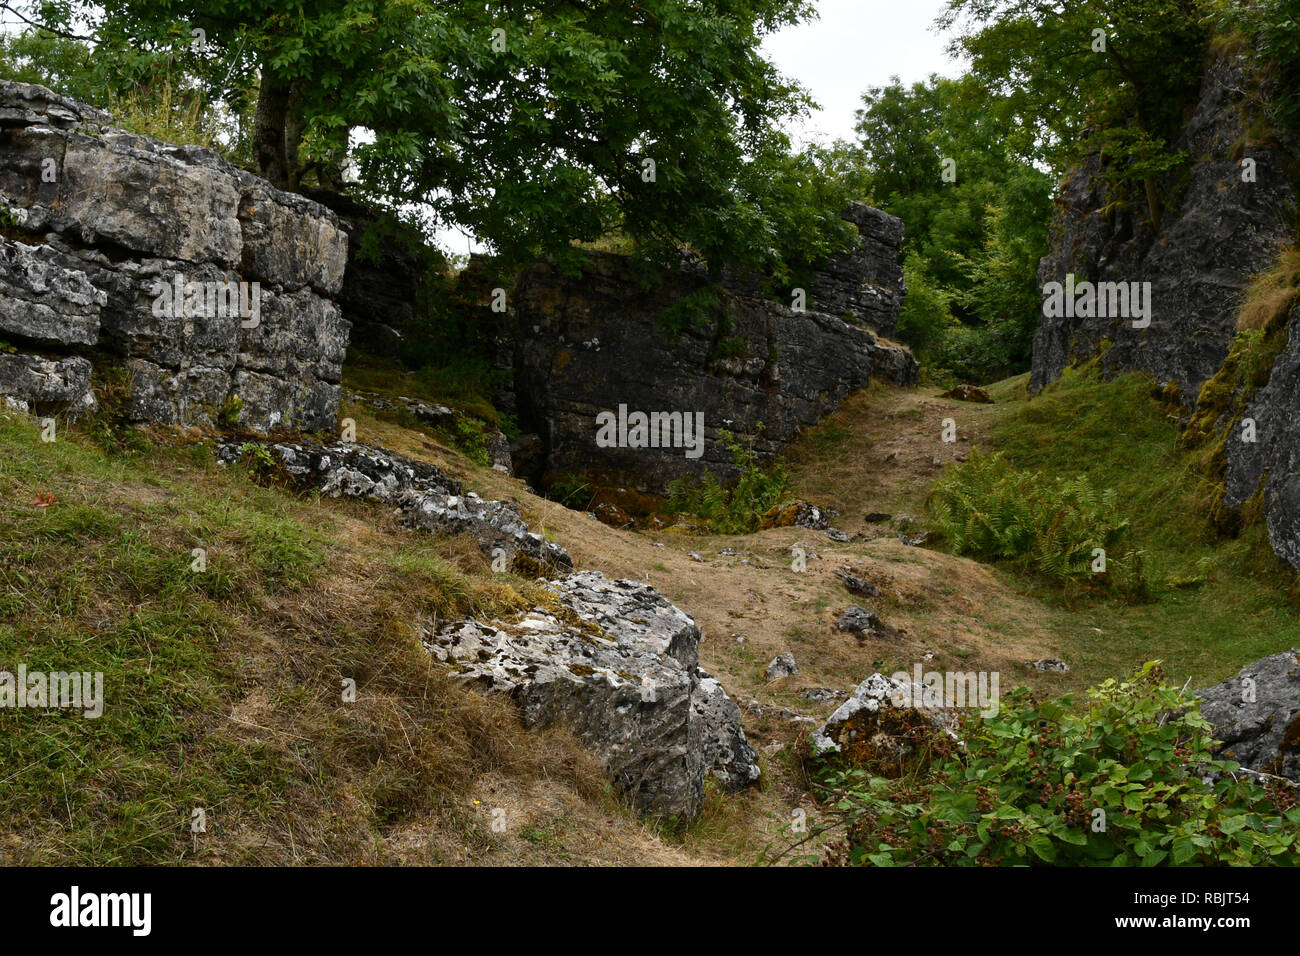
[{"x": 856, "y": 44}]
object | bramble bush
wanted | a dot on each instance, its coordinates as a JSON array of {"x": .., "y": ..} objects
[{"x": 1128, "y": 780}]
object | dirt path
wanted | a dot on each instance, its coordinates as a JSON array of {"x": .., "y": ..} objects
[{"x": 878, "y": 455}]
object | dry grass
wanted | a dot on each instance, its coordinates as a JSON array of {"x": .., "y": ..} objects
[{"x": 1272, "y": 294}]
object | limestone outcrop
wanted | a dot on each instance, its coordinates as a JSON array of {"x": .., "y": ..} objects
[
  {"x": 616, "y": 338},
  {"x": 1256, "y": 715},
  {"x": 1230, "y": 223},
  {"x": 212, "y": 288},
  {"x": 426, "y": 497},
  {"x": 617, "y": 665}
]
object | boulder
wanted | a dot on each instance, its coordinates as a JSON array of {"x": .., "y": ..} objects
[
  {"x": 1257, "y": 715},
  {"x": 32, "y": 383},
  {"x": 855, "y": 584},
  {"x": 798, "y": 514},
  {"x": 857, "y": 620},
  {"x": 968, "y": 393},
  {"x": 783, "y": 665},
  {"x": 618, "y": 667},
  {"x": 885, "y": 724}
]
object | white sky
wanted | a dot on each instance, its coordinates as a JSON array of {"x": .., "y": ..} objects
[{"x": 856, "y": 44}]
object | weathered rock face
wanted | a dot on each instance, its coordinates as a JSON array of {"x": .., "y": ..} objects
[
  {"x": 865, "y": 284},
  {"x": 1233, "y": 221},
  {"x": 1223, "y": 231},
  {"x": 425, "y": 496},
  {"x": 1257, "y": 715},
  {"x": 1272, "y": 460},
  {"x": 591, "y": 343},
  {"x": 620, "y": 670},
  {"x": 103, "y": 222}
]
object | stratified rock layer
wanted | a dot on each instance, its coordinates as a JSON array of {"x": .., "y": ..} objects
[{"x": 100, "y": 216}]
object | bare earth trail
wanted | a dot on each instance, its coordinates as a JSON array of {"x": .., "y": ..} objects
[{"x": 878, "y": 455}]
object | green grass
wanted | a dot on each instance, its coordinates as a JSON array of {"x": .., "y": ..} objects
[
  {"x": 1122, "y": 437},
  {"x": 464, "y": 383},
  {"x": 222, "y": 689}
]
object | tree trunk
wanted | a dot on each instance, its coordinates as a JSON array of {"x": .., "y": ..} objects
[
  {"x": 270, "y": 129},
  {"x": 1153, "y": 203}
]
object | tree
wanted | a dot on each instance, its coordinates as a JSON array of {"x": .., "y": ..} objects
[
  {"x": 942, "y": 155},
  {"x": 1113, "y": 75},
  {"x": 532, "y": 123}
]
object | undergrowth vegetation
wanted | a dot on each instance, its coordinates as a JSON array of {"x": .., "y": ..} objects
[
  {"x": 1061, "y": 528},
  {"x": 1219, "y": 599},
  {"x": 733, "y": 507},
  {"x": 1127, "y": 779}
]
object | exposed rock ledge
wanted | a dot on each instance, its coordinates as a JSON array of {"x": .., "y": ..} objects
[
  {"x": 1257, "y": 715},
  {"x": 616, "y": 664},
  {"x": 424, "y": 494}
]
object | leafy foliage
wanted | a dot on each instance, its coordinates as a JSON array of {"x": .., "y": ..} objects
[
  {"x": 1066, "y": 94},
  {"x": 529, "y": 124},
  {"x": 1274, "y": 30},
  {"x": 1127, "y": 780},
  {"x": 986, "y": 508},
  {"x": 974, "y": 237},
  {"x": 735, "y": 507}
]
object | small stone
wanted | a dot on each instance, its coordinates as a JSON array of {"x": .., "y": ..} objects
[
  {"x": 858, "y": 620},
  {"x": 783, "y": 665},
  {"x": 821, "y": 695},
  {"x": 856, "y": 584}
]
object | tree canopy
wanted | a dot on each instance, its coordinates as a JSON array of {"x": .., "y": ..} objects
[{"x": 532, "y": 124}]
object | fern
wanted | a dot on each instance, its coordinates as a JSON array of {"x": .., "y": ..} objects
[{"x": 987, "y": 509}]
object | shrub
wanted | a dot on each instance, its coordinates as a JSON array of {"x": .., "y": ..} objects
[
  {"x": 987, "y": 509},
  {"x": 733, "y": 508},
  {"x": 1128, "y": 780}
]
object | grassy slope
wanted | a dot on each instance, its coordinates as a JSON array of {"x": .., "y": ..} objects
[
  {"x": 1121, "y": 436},
  {"x": 223, "y": 688},
  {"x": 880, "y": 451}
]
